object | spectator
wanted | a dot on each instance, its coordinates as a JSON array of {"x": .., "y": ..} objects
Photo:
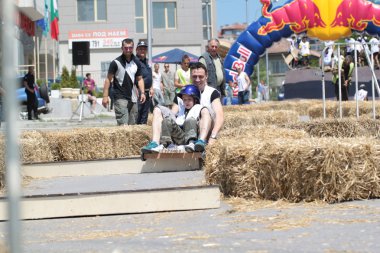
[
  {"x": 350, "y": 46},
  {"x": 262, "y": 91},
  {"x": 293, "y": 50},
  {"x": 359, "y": 51},
  {"x": 31, "y": 99},
  {"x": 179, "y": 126},
  {"x": 182, "y": 75},
  {"x": 214, "y": 64},
  {"x": 304, "y": 47},
  {"x": 158, "y": 87},
  {"x": 146, "y": 71},
  {"x": 229, "y": 91},
  {"x": 90, "y": 87},
  {"x": 123, "y": 72},
  {"x": 328, "y": 55},
  {"x": 362, "y": 93},
  {"x": 243, "y": 83},
  {"x": 168, "y": 82},
  {"x": 374, "y": 42},
  {"x": 345, "y": 70}
]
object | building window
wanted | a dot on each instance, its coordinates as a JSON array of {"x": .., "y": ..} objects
[
  {"x": 92, "y": 10},
  {"x": 206, "y": 15},
  {"x": 277, "y": 66},
  {"x": 104, "y": 66},
  {"x": 140, "y": 16},
  {"x": 164, "y": 15}
]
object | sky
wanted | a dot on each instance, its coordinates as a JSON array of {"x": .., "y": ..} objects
[{"x": 232, "y": 11}]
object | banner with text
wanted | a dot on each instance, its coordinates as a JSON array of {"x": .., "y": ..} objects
[{"x": 99, "y": 39}]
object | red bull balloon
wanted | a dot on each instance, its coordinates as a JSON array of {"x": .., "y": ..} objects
[{"x": 323, "y": 19}]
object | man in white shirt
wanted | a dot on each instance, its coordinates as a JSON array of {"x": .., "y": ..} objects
[
  {"x": 305, "y": 51},
  {"x": 243, "y": 83},
  {"x": 374, "y": 42},
  {"x": 158, "y": 87}
]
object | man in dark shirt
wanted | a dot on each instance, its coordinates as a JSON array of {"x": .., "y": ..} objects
[
  {"x": 31, "y": 102},
  {"x": 123, "y": 72},
  {"x": 146, "y": 72}
]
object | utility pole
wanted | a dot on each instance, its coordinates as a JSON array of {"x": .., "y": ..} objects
[{"x": 207, "y": 20}]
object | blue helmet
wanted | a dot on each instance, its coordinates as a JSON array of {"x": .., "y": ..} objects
[{"x": 191, "y": 90}]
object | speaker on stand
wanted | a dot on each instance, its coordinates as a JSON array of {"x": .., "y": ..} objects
[{"x": 81, "y": 56}]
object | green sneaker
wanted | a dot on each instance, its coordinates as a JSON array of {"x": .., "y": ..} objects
[
  {"x": 200, "y": 145},
  {"x": 152, "y": 147}
]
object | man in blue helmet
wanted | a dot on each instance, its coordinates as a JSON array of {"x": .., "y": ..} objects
[{"x": 178, "y": 126}]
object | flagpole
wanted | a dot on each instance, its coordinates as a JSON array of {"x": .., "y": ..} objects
[
  {"x": 54, "y": 44},
  {"x": 38, "y": 58},
  {"x": 46, "y": 63}
]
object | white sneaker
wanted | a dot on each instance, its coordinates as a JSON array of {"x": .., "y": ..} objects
[
  {"x": 157, "y": 149},
  {"x": 190, "y": 147},
  {"x": 181, "y": 149}
]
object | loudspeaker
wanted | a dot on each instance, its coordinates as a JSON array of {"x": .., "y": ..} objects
[{"x": 81, "y": 53}]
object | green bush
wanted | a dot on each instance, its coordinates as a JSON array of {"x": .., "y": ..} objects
[
  {"x": 55, "y": 86},
  {"x": 65, "y": 78},
  {"x": 73, "y": 79}
]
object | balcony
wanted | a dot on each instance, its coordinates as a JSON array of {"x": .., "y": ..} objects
[{"x": 34, "y": 9}]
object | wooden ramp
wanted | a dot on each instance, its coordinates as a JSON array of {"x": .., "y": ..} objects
[
  {"x": 155, "y": 163},
  {"x": 113, "y": 192}
]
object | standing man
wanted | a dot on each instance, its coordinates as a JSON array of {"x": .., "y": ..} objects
[
  {"x": 168, "y": 82},
  {"x": 182, "y": 75},
  {"x": 243, "y": 83},
  {"x": 158, "y": 87},
  {"x": 31, "y": 99},
  {"x": 211, "y": 116},
  {"x": 123, "y": 72},
  {"x": 146, "y": 72},
  {"x": 214, "y": 64}
]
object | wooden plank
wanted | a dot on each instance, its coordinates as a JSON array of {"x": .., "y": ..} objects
[
  {"x": 132, "y": 165},
  {"x": 195, "y": 155},
  {"x": 123, "y": 202}
]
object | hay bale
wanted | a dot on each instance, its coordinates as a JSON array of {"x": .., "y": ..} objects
[
  {"x": 341, "y": 128},
  {"x": 238, "y": 119},
  {"x": 348, "y": 109},
  {"x": 97, "y": 143},
  {"x": 34, "y": 148},
  {"x": 300, "y": 106},
  {"x": 308, "y": 169},
  {"x": 262, "y": 131}
]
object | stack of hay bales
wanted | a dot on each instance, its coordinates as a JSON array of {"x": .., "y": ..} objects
[
  {"x": 340, "y": 128},
  {"x": 300, "y": 106},
  {"x": 249, "y": 118},
  {"x": 279, "y": 157},
  {"x": 348, "y": 109},
  {"x": 295, "y": 168},
  {"x": 78, "y": 144}
]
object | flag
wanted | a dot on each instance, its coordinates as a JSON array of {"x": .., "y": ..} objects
[
  {"x": 54, "y": 30},
  {"x": 44, "y": 22}
]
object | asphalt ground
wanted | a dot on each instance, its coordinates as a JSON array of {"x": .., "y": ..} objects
[{"x": 238, "y": 226}]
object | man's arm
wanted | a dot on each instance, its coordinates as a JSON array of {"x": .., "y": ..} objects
[
  {"x": 140, "y": 83},
  {"x": 219, "y": 118},
  {"x": 106, "y": 87},
  {"x": 175, "y": 108}
]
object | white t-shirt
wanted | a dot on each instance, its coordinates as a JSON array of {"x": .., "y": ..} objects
[
  {"x": 305, "y": 48},
  {"x": 156, "y": 80},
  {"x": 242, "y": 82},
  {"x": 374, "y": 42},
  {"x": 362, "y": 94}
]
